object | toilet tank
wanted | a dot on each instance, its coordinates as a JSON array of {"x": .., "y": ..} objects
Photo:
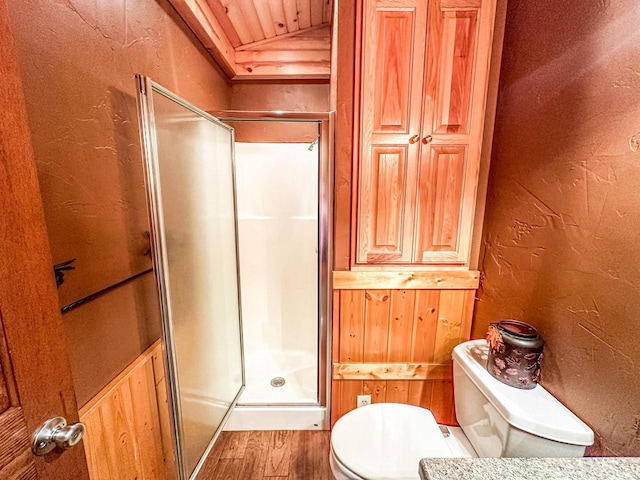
[{"x": 503, "y": 421}]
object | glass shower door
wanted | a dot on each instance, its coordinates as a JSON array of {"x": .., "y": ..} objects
[{"x": 191, "y": 195}]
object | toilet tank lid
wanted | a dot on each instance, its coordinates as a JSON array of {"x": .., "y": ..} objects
[{"x": 535, "y": 411}]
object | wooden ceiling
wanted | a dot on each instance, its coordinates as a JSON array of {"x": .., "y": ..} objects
[{"x": 264, "y": 39}]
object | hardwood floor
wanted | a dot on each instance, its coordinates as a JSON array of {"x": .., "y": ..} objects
[{"x": 273, "y": 455}]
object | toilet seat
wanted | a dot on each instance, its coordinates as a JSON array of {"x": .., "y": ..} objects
[
  {"x": 340, "y": 472},
  {"x": 385, "y": 441}
]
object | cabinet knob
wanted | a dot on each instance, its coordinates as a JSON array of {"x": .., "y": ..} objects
[
  {"x": 427, "y": 139},
  {"x": 414, "y": 139}
]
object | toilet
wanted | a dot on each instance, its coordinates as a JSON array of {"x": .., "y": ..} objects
[{"x": 385, "y": 441}]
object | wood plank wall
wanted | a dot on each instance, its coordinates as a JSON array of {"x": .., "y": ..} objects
[
  {"x": 395, "y": 344},
  {"x": 128, "y": 431}
]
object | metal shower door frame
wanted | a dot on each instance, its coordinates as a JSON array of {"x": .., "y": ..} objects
[
  {"x": 325, "y": 227},
  {"x": 150, "y": 160}
]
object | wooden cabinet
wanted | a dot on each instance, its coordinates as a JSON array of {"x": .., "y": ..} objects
[
  {"x": 411, "y": 99},
  {"x": 423, "y": 80}
]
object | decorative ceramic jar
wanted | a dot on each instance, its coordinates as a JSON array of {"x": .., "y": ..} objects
[{"x": 515, "y": 353}]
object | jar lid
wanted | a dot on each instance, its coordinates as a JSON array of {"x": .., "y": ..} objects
[{"x": 518, "y": 329}]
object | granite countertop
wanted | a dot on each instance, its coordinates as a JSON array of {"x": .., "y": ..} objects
[{"x": 529, "y": 468}]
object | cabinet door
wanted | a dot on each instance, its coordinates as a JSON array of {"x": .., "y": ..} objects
[
  {"x": 459, "y": 35},
  {"x": 393, "y": 42}
]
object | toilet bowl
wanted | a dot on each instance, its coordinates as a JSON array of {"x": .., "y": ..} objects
[{"x": 385, "y": 441}]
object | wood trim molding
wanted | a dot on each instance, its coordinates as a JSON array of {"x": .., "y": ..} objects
[
  {"x": 199, "y": 17},
  {"x": 219, "y": 11},
  {"x": 322, "y": 57},
  {"x": 391, "y": 371},
  {"x": 487, "y": 137},
  {"x": 440, "y": 280}
]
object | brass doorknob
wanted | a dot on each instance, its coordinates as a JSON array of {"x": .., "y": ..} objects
[
  {"x": 427, "y": 139},
  {"x": 414, "y": 139}
]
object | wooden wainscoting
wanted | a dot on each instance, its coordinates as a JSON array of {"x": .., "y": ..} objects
[
  {"x": 396, "y": 345},
  {"x": 128, "y": 425}
]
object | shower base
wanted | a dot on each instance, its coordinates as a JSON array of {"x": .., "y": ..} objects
[
  {"x": 278, "y": 418},
  {"x": 280, "y": 378}
]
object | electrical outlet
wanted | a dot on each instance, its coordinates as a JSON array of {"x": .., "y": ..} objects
[{"x": 363, "y": 400}]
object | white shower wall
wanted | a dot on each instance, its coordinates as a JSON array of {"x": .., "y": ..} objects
[{"x": 277, "y": 195}]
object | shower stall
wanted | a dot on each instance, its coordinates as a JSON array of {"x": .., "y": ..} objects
[
  {"x": 282, "y": 191},
  {"x": 277, "y": 234},
  {"x": 240, "y": 209}
]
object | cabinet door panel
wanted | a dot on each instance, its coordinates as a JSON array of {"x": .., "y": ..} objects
[
  {"x": 451, "y": 60},
  {"x": 391, "y": 91},
  {"x": 442, "y": 172},
  {"x": 456, "y": 63},
  {"x": 392, "y": 80},
  {"x": 383, "y": 199}
]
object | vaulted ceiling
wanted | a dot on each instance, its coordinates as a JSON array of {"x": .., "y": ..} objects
[{"x": 261, "y": 39}]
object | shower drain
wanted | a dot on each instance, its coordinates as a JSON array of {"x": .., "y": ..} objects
[{"x": 277, "y": 382}]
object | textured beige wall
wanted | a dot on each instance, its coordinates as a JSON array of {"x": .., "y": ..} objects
[
  {"x": 561, "y": 247},
  {"x": 78, "y": 59},
  {"x": 292, "y": 96}
]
